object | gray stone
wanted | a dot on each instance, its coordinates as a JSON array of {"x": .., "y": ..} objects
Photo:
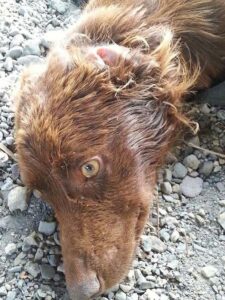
[
  {"x": 147, "y": 285},
  {"x": 120, "y": 296},
  {"x": 29, "y": 59},
  {"x": 164, "y": 235},
  {"x": 15, "y": 52},
  {"x": 47, "y": 228},
  {"x": 166, "y": 188},
  {"x": 146, "y": 245},
  {"x": 221, "y": 220},
  {"x": 209, "y": 271},
  {"x": 221, "y": 114},
  {"x": 167, "y": 175},
  {"x": 53, "y": 260},
  {"x": 181, "y": 248},
  {"x": 17, "y": 199},
  {"x": 191, "y": 187},
  {"x": 195, "y": 141},
  {"x": 16, "y": 269},
  {"x": 133, "y": 297},
  {"x": 153, "y": 243},
  {"x": 41, "y": 294},
  {"x": 51, "y": 37},
  {"x": 19, "y": 259},
  {"x": 205, "y": 108},
  {"x": 168, "y": 220},
  {"x": 9, "y": 140},
  {"x": 8, "y": 185},
  {"x": 173, "y": 264},
  {"x": 33, "y": 269},
  {"x": 17, "y": 40},
  {"x": 169, "y": 198},
  {"x": 60, "y": 6},
  {"x": 217, "y": 169},
  {"x": 125, "y": 288},
  {"x": 179, "y": 171},
  {"x": 191, "y": 161},
  {"x": 11, "y": 295},
  {"x": 222, "y": 203},
  {"x": 60, "y": 268},
  {"x": 220, "y": 187},
  {"x": 3, "y": 159},
  {"x": 3, "y": 291},
  {"x": 206, "y": 168},
  {"x": 8, "y": 65},
  {"x": 39, "y": 255},
  {"x": 22, "y": 10},
  {"x": 1, "y": 136},
  {"x": 175, "y": 236},
  {"x": 47, "y": 272},
  {"x": 31, "y": 47},
  {"x": 13, "y": 31},
  {"x": 29, "y": 241},
  {"x": 26, "y": 34},
  {"x": 15, "y": 171},
  {"x": 200, "y": 220},
  {"x": 151, "y": 295},
  {"x": 139, "y": 276},
  {"x": 10, "y": 249}
]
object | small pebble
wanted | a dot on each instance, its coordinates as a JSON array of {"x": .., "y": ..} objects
[
  {"x": 47, "y": 228},
  {"x": 179, "y": 171},
  {"x": 17, "y": 199},
  {"x": 8, "y": 65},
  {"x": 10, "y": 249},
  {"x": 166, "y": 188},
  {"x": 60, "y": 6},
  {"x": 47, "y": 272},
  {"x": 191, "y": 187},
  {"x": 221, "y": 220},
  {"x": 120, "y": 296},
  {"x": 31, "y": 47},
  {"x": 15, "y": 52},
  {"x": 209, "y": 271},
  {"x": 191, "y": 161}
]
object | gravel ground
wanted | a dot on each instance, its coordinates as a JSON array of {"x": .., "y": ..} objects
[{"x": 182, "y": 252}]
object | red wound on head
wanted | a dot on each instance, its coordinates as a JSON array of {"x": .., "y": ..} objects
[
  {"x": 109, "y": 55},
  {"x": 102, "y": 52}
]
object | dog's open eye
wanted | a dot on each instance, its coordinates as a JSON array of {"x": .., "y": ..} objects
[{"x": 90, "y": 168}]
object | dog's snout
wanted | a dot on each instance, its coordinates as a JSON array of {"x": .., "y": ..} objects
[
  {"x": 85, "y": 289},
  {"x": 83, "y": 282}
]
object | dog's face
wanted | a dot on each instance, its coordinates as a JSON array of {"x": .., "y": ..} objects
[{"x": 89, "y": 139}]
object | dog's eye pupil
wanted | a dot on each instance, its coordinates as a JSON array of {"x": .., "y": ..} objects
[{"x": 89, "y": 168}]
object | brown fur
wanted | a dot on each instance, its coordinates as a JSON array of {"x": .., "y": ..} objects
[{"x": 69, "y": 110}]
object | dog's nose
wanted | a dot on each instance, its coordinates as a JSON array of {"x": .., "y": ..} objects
[{"x": 85, "y": 288}]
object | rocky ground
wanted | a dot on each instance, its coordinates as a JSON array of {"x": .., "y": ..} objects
[{"x": 182, "y": 252}]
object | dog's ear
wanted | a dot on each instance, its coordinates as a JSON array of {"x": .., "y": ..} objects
[
  {"x": 107, "y": 55},
  {"x": 111, "y": 54}
]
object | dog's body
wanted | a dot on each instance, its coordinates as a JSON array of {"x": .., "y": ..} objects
[{"x": 94, "y": 122}]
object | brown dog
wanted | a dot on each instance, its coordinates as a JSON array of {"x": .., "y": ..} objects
[{"x": 94, "y": 122}]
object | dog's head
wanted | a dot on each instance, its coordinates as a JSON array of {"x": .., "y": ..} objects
[{"x": 92, "y": 125}]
